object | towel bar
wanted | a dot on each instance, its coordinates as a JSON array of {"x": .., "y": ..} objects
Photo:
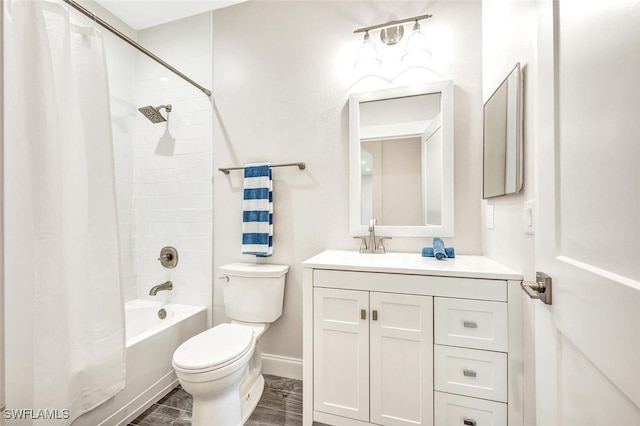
[{"x": 300, "y": 166}]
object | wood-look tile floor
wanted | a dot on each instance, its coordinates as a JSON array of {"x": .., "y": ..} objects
[{"x": 280, "y": 405}]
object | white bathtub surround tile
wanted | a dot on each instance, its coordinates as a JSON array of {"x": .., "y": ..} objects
[
  {"x": 173, "y": 195},
  {"x": 168, "y": 201}
]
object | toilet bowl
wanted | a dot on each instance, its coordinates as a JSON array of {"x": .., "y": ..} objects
[
  {"x": 211, "y": 366},
  {"x": 222, "y": 367}
]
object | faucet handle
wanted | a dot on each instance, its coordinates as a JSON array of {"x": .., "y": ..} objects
[
  {"x": 381, "y": 248},
  {"x": 363, "y": 244},
  {"x": 168, "y": 257}
]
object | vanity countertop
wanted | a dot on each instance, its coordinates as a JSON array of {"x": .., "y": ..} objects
[{"x": 463, "y": 266}]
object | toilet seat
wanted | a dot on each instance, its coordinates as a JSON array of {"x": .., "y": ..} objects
[{"x": 213, "y": 349}]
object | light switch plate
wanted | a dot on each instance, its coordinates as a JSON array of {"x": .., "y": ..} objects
[
  {"x": 529, "y": 221},
  {"x": 489, "y": 213}
]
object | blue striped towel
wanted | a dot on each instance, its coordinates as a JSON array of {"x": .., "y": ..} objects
[{"x": 257, "y": 210}]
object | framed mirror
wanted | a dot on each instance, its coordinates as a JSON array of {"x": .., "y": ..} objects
[
  {"x": 401, "y": 160},
  {"x": 502, "y": 138}
]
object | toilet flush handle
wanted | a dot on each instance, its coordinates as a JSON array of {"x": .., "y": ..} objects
[{"x": 224, "y": 277}]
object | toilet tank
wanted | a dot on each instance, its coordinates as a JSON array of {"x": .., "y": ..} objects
[{"x": 253, "y": 292}]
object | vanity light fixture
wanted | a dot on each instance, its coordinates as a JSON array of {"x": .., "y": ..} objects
[{"x": 391, "y": 33}]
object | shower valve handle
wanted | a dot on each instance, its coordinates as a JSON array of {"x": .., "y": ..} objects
[{"x": 168, "y": 257}]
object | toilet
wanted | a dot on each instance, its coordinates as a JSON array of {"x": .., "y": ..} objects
[{"x": 222, "y": 367}]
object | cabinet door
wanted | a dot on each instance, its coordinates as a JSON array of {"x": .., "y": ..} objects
[
  {"x": 341, "y": 352},
  {"x": 401, "y": 357}
]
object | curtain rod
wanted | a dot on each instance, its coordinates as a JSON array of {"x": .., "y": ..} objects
[{"x": 133, "y": 43}]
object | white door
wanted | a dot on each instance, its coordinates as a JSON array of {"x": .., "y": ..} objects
[
  {"x": 588, "y": 209},
  {"x": 341, "y": 352},
  {"x": 401, "y": 330}
]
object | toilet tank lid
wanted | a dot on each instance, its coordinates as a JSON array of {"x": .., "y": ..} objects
[{"x": 265, "y": 270}]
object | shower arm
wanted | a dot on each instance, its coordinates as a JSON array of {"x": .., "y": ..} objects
[{"x": 133, "y": 43}]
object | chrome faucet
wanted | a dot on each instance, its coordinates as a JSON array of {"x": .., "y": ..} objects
[
  {"x": 372, "y": 234},
  {"x": 374, "y": 245},
  {"x": 164, "y": 286}
]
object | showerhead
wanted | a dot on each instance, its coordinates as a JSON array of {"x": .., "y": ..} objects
[{"x": 153, "y": 113}]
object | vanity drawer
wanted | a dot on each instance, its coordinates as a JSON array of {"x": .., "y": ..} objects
[
  {"x": 463, "y": 288},
  {"x": 471, "y": 323},
  {"x": 456, "y": 410},
  {"x": 470, "y": 372}
]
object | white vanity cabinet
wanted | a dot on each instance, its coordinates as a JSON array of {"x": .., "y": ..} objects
[
  {"x": 398, "y": 339},
  {"x": 372, "y": 356}
]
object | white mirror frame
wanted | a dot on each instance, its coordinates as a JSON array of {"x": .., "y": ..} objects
[{"x": 446, "y": 108}]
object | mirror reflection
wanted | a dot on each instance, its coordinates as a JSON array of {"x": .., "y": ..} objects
[{"x": 401, "y": 149}]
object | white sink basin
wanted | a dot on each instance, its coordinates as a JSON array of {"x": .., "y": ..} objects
[
  {"x": 388, "y": 260},
  {"x": 411, "y": 263}
]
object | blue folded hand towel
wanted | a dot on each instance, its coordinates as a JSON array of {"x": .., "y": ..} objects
[
  {"x": 257, "y": 210},
  {"x": 438, "y": 248},
  {"x": 449, "y": 251}
]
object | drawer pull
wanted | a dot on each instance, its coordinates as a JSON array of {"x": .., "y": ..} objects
[
  {"x": 469, "y": 373},
  {"x": 374, "y": 315},
  {"x": 468, "y": 422},
  {"x": 363, "y": 314},
  {"x": 470, "y": 324}
]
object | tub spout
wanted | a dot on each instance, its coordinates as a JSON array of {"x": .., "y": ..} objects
[{"x": 164, "y": 286}]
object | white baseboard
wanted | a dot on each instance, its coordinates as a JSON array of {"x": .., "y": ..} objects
[{"x": 282, "y": 366}]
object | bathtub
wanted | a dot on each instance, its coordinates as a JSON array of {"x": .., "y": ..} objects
[{"x": 151, "y": 342}]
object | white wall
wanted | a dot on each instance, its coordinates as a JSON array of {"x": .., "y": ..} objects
[
  {"x": 509, "y": 36},
  {"x": 172, "y": 163},
  {"x": 282, "y": 74}
]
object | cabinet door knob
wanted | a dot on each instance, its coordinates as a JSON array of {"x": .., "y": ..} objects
[
  {"x": 374, "y": 315},
  {"x": 470, "y": 324},
  {"x": 469, "y": 422},
  {"x": 363, "y": 314}
]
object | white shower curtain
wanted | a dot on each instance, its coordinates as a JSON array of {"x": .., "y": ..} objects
[{"x": 64, "y": 306}]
